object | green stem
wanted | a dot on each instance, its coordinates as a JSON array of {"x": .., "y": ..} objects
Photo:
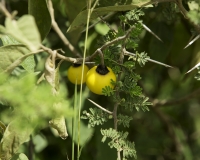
[
  {"x": 81, "y": 87},
  {"x": 74, "y": 120}
]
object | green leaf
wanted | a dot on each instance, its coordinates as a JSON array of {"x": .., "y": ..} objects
[
  {"x": 29, "y": 63},
  {"x": 38, "y": 9},
  {"x": 25, "y": 31},
  {"x": 19, "y": 156},
  {"x": 101, "y": 28},
  {"x": 194, "y": 16},
  {"x": 10, "y": 53},
  {"x": 15, "y": 134},
  {"x": 81, "y": 18},
  {"x": 40, "y": 142}
]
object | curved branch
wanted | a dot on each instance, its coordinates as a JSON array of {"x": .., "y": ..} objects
[
  {"x": 159, "y": 103},
  {"x": 59, "y": 32},
  {"x": 184, "y": 13},
  {"x": 4, "y": 10},
  {"x": 170, "y": 128}
]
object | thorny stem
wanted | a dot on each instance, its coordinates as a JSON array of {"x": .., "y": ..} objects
[
  {"x": 107, "y": 44},
  {"x": 89, "y": 58},
  {"x": 121, "y": 59},
  {"x": 59, "y": 32}
]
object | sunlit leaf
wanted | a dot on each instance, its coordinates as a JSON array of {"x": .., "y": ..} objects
[
  {"x": 10, "y": 53},
  {"x": 15, "y": 134},
  {"x": 25, "y": 31}
]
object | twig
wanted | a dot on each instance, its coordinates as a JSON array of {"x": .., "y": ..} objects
[
  {"x": 89, "y": 58},
  {"x": 59, "y": 32},
  {"x": 167, "y": 122},
  {"x": 30, "y": 148},
  {"x": 4, "y": 10},
  {"x": 20, "y": 60},
  {"x": 157, "y": 103},
  {"x": 184, "y": 13},
  {"x": 101, "y": 56}
]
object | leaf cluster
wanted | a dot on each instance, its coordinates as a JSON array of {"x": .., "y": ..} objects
[
  {"x": 124, "y": 120},
  {"x": 118, "y": 141},
  {"x": 96, "y": 117}
]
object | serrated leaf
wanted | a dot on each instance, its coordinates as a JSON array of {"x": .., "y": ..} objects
[
  {"x": 19, "y": 156},
  {"x": 10, "y": 53},
  {"x": 8, "y": 40},
  {"x": 81, "y": 18},
  {"x": 29, "y": 64},
  {"x": 15, "y": 134},
  {"x": 38, "y": 9},
  {"x": 60, "y": 126},
  {"x": 25, "y": 31}
]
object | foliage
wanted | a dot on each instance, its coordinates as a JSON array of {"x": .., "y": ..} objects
[{"x": 36, "y": 97}]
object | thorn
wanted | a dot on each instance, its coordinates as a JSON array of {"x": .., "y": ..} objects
[
  {"x": 197, "y": 37},
  {"x": 193, "y": 68},
  {"x": 105, "y": 110},
  {"x": 160, "y": 63},
  {"x": 150, "y": 31},
  {"x": 151, "y": 60}
]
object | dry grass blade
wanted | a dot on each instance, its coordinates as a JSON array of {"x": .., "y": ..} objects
[{"x": 191, "y": 42}]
